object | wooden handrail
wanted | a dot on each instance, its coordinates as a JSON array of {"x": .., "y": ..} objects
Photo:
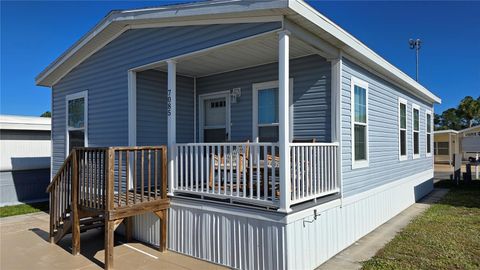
[
  {"x": 117, "y": 171},
  {"x": 105, "y": 181},
  {"x": 56, "y": 177}
]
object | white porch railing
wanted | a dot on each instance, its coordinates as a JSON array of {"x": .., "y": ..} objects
[
  {"x": 250, "y": 173},
  {"x": 314, "y": 170},
  {"x": 239, "y": 171}
]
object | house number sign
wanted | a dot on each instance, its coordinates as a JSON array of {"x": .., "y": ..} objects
[{"x": 169, "y": 102}]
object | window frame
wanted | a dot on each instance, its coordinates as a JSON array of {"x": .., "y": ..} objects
[
  {"x": 427, "y": 133},
  {"x": 79, "y": 95},
  {"x": 400, "y": 156},
  {"x": 363, "y": 84},
  {"x": 415, "y": 107},
  {"x": 435, "y": 146},
  {"x": 267, "y": 85}
]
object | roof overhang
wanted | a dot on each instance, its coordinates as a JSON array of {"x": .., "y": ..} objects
[
  {"x": 448, "y": 131},
  {"x": 16, "y": 122},
  {"x": 303, "y": 17},
  {"x": 469, "y": 129}
]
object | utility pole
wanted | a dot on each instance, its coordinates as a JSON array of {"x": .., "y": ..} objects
[{"x": 415, "y": 44}]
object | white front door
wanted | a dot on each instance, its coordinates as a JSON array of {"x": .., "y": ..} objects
[{"x": 215, "y": 118}]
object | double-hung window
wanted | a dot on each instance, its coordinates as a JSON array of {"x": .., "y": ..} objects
[
  {"x": 268, "y": 115},
  {"x": 402, "y": 128},
  {"x": 76, "y": 120},
  {"x": 429, "y": 133},
  {"x": 266, "y": 111},
  {"x": 359, "y": 94},
  {"x": 416, "y": 130}
]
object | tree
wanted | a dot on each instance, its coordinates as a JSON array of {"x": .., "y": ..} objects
[
  {"x": 46, "y": 114},
  {"x": 466, "y": 114},
  {"x": 469, "y": 110}
]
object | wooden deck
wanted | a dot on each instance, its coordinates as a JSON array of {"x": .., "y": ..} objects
[{"x": 106, "y": 187}]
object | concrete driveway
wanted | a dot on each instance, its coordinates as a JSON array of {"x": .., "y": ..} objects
[{"x": 24, "y": 245}]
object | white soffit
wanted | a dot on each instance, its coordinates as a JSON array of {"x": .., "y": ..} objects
[{"x": 249, "y": 53}]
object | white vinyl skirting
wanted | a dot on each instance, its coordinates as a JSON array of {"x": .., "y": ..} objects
[{"x": 254, "y": 239}]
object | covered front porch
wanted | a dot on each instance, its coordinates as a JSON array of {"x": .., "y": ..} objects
[{"x": 251, "y": 122}]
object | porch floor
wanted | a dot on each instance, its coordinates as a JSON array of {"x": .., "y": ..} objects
[{"x": 25, "y": 245}]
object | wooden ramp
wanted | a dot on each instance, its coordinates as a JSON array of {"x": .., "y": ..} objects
[{"x": 103, "y": 187}]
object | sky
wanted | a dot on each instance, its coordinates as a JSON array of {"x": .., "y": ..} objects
[{"x": 33, "y": 34}]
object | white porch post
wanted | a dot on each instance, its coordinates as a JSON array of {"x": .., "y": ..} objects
[
  {"x": 132, "y": 119},
  {"x": 172, "y": 126},
  {"x": 284, "y": 118}
]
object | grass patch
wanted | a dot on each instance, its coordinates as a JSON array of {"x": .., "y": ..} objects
[
  {"x": 446, "y": 236},
  {"x": 14, "y": 210}
]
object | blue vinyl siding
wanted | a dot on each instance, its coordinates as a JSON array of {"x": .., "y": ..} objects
[
  {"x": 384, "y": 164},
  {"x": 152, "y": 110},
  {"x": 104, "y": 75},
  {"x": 311, "y": 96}
]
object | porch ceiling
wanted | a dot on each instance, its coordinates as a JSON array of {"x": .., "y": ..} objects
[{"x": 242, "y": 54}]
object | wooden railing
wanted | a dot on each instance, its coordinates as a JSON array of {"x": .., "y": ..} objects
[
  {"x": 314, "y": 170},
  {"x": 137, "y": 175},
  {"x": 92, "y": 168},
  {"x": 249, "y": 172},
  {"x": 60, "y": 194},
  {"x": 238, "y": 171},
  {"x": 106, "y": 179}
]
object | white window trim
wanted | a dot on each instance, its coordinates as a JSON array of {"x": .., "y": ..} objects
[
  {"x": 428, "y": 112},
  {"x": 201, "y": 110},
  {"x": 84, "y": 95},
  {"x": 404, "y": 157},
  {"x": 266, "y": 85},
  {"x": 363, "y": 84},
  {"x": 415, "y": 107}
]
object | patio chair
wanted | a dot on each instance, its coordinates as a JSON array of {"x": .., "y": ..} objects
[
  {"x": 222, "y": 161},
  {"x": 274, "y": 161}
]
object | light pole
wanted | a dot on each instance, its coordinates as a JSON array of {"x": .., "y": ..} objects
[{"x": 415, "y": 44}]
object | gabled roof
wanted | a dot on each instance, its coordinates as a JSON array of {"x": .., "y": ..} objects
[{"x": 297, "y": 11}]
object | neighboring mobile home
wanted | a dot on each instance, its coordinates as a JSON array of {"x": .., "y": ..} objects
[
  {"x": 25, "y": 151},
  {"x": 288, "y": 139},
  {"x": 447, "y": 143}
]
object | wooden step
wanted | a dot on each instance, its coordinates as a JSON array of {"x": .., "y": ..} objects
[
  {"x": 88, "y": 220},
  {"x": 85, "y": 228}
]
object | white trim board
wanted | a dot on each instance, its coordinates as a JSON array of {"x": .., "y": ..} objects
[
  {"x": 84, "y": 95},
  {"x": 400, "y": 157},
  {"x": 429, "y": 112},
  {"x": 415, "y": 107},
  {"x": 132, "y": 108},
  {"x": 363, "y": 84},
  {"x": 266, "y": 85}
]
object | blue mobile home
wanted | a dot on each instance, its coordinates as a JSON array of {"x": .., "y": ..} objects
[{"x": 288, "y": 139}]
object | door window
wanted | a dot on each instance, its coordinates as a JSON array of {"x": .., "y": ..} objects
[{"x": 215, "y": 123}]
